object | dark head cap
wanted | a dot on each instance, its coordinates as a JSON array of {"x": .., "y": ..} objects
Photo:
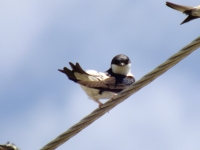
[{"x": 121, "y": 60}]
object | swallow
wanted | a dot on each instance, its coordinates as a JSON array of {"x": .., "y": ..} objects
[
  {"x": 192, "y": 12},
  {"x": 8, "y": 146},
  {"x": 102, "y": 85}
]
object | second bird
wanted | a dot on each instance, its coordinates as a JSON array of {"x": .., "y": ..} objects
[{"x": 192, "y": 12}]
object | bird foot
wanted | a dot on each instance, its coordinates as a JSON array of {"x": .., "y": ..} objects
[
  {"x": 100, "y": 105},
  {"x": 97, "y": 100}
]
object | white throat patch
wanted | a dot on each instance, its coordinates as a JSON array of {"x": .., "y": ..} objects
[{"x": 123, "y": 70}]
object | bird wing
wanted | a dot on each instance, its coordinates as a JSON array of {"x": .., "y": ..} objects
[
  {"x": 109, "y": 84},
  {"x": 179, "y": 7},
  {"x": 101, "y": 84}
]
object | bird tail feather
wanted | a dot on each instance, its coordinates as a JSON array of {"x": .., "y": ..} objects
[{"x": 70, "y": 73}]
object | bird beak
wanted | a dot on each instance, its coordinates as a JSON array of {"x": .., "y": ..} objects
[{"x": 122, "y": 64}]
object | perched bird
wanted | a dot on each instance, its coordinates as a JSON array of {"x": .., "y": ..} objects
[
  {"x": 192, "y": 12},
  {"x": 8, "y": 146},
  {"x": 102, "y": 85}
]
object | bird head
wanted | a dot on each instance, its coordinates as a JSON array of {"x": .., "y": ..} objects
[{"x": 121, "y": 64}]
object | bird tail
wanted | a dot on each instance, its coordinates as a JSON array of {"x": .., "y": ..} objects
[
  {"x": 70, "y": 73},
  {"x": 181, "y": 8},
  {"x": 189, "y": 18}
]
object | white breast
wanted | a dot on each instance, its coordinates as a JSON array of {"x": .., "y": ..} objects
[{"x": 123, "y": 70}]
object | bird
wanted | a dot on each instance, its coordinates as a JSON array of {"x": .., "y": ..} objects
[
  {"x": 8, "y": 146},
  {"x": 192, "y": 12},
  {"x": 102, "y": 85}
]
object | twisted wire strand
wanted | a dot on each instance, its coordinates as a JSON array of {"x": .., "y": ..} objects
[{"x": 97, "y": 113}]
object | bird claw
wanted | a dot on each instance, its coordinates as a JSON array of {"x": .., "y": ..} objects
[{"x": 100, "y": 104}]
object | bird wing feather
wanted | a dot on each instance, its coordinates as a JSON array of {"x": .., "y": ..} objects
[
  {"x": 78, "y": 74},
  {"x": 179, "y": 7}
]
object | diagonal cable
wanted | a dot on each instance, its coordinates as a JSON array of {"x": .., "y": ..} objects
[{"x": 97, "y": 113}]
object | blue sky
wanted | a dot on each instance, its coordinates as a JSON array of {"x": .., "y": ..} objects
[{"x": 38, "y": 103}]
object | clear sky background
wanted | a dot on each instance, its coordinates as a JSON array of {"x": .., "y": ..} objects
[{"x": 38, "y": 103}]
